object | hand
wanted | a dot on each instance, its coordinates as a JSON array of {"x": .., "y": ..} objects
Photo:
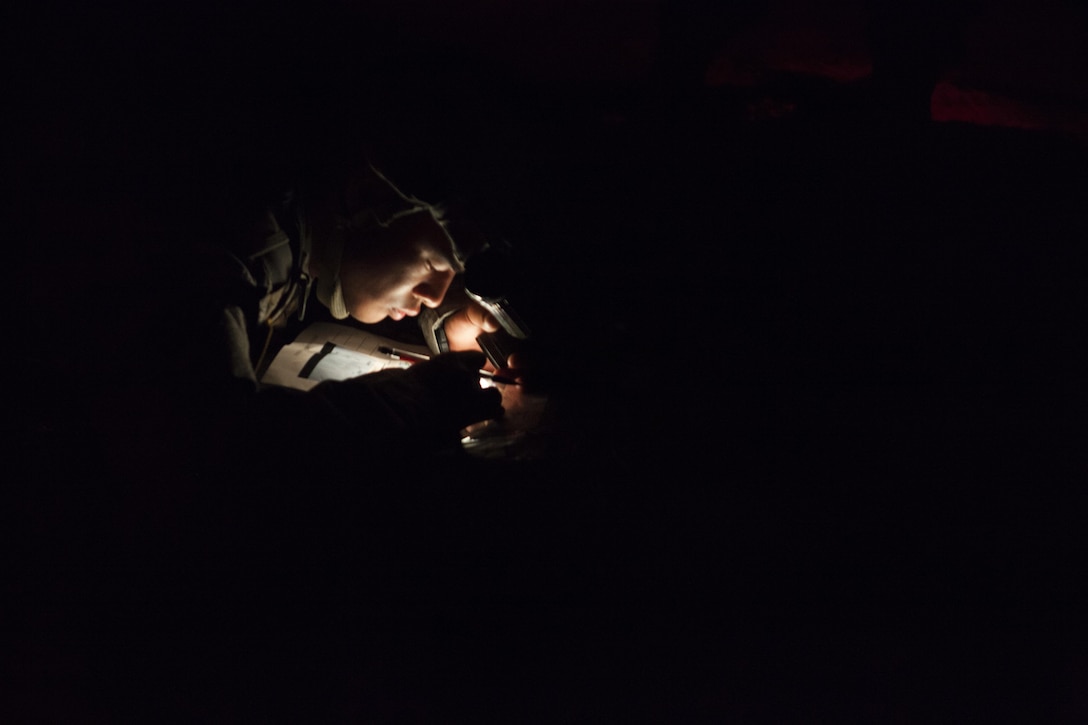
[
  {"x": 464, "y": 326},
  {"x": 452, "y": 382},
  {"x": 426, "y": 404}
]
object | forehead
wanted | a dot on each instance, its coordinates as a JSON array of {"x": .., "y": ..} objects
[{"x": 431, "y": 238}]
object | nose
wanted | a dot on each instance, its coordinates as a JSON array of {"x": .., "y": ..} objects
[{"x": 432, "y": 290}]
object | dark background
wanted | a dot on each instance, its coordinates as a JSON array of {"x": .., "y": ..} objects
[{"x": 808, "y": 284}]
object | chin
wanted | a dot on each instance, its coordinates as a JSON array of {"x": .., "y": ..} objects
[{"x": 368, "y": 318}]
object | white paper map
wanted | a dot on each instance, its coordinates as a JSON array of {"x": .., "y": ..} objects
[{"x": 327, "y": 351}]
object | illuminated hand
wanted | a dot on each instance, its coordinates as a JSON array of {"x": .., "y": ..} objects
[{"x": 464, "y": 326}]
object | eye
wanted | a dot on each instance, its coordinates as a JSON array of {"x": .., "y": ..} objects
[{"x": 433, "y": 267}]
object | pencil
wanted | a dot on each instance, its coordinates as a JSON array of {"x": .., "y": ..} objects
[
  {"x": 403, "y": 354},
  {"x": 419, "y": 357}
]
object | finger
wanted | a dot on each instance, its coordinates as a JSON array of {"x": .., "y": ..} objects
[
  {"x": 464, "y": 326},
  {"x": 481, "y": 318},
  {"x": 506, "y": 374}
]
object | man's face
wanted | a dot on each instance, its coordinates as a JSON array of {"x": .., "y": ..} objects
[{"x": 395, "y": 271}]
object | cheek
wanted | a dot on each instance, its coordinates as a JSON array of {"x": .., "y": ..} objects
[
  {"x": 396, "y": 284},
  {"x": 391, "y": 290},
  {"x": 375, "y": 285},
  {"x": 365, "y": 282}
]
